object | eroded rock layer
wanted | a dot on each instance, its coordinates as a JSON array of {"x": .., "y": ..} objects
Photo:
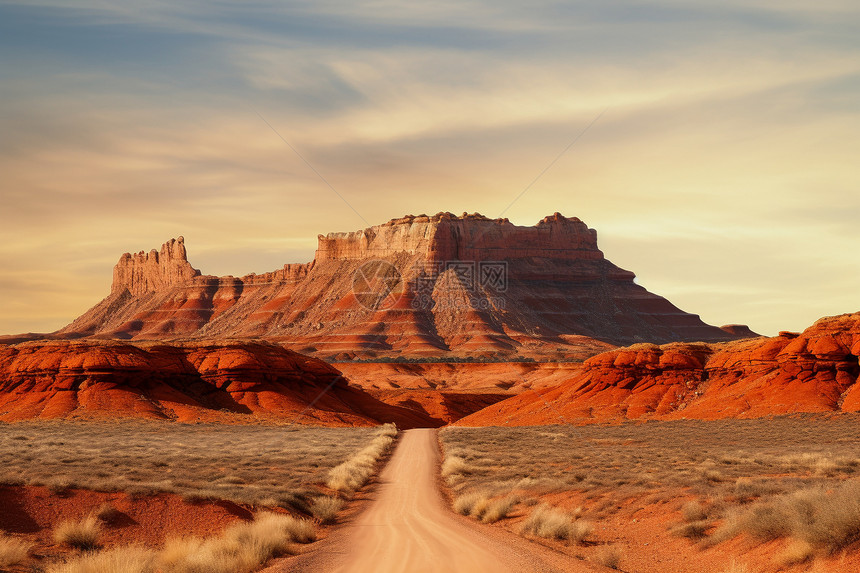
[
  {"x": 416, "y": 286},
  {"x": 815, "y": 371},
  {"x": 191, "y": 381}
]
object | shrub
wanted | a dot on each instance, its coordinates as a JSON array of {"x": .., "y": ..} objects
[
  {"x": 466, "y": 503},
  {"x": 609, "y": 556},
  {"x": 794, "y": 553},
  {"x": 693, "y": 530},
  {"x": 325, "y": 508},
  {"x": 824, "y": 520},
  {"x": 12, "y": 550},
  {"x": 454, "y": 466},
  {"x": 547, "y": 521},
  {"x": 694, "y": 511},
  {"x": 82, "y": 534},
  {"x": 499, "y": 508}
]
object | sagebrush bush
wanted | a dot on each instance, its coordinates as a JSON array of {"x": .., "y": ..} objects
[
  {"x": 13, "y": 551},
  {"x": 83, "y": 534}
]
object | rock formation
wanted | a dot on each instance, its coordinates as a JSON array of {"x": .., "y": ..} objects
[
  {"x": 415, "y": 286},
  {"x": 191, "y": 381},
  {"x": 144, "y": 273},
  {"x": 815, "y": 371}
]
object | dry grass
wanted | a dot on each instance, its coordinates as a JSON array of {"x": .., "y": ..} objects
[
  {"x": 609, "y": 556},
  {"x": 483, "y": 507},
  {"x": 265, "y": 465},
  {"x": 13, "y": 551},
  {"x": 552, "y": 523},
  {"x": 83, "y": 534},
  {"x": 499, "y": 509},
  {"x": 326, "y": 508},
  {"x": 454, "y": 467},
  {"x": 735, "y": 567},
  {"x": 242, "y": 548},
  {"x": 131, "y": 559},
  {"x": 468, "y": 502},
  {"x": 824, "y": 520},
  {"x": 737, "y": 471},
  {"x": 357, "y": 470}
]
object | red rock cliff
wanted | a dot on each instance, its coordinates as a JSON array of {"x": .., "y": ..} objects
[
  {"x": 143, "y": 273},
  {"x": 560, "y": 297},
  {"x": 446, "y": 237}
]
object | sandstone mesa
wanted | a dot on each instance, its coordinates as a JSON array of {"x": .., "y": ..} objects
[{"x": 561, "y": 298}]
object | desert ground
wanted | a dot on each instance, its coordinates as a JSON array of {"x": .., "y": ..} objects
[{"x": 778, "y": 494}]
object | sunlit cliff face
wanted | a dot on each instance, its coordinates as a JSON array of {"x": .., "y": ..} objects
[{"x": 710, "y": 144}]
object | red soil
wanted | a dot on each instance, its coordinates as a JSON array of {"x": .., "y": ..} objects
[
  {"x": 642, "y": 530},
  {"x": 31, "y": 513}
]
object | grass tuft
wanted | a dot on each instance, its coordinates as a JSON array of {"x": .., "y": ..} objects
[
  {"x": 82, "y": 534},
  {"x": 609, "y": 556},
  {"x": 326, "y": 508},
  {"x": 13, "y": 551},
  {"x": 499, "y": 509},
  {"x": 549, "y": 522}
]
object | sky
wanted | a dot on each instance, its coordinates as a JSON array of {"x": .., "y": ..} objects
[{"x": 713, "y": 145}]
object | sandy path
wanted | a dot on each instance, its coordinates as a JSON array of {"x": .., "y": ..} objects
[{"x": 408, "y": 528}]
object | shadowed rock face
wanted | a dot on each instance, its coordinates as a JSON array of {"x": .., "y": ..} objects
[
  {"x": 466, "y": 286},
  {"x": 815, "y": 371}
]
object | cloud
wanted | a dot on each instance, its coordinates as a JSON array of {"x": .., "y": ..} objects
[{"x": 722, "y": 166}]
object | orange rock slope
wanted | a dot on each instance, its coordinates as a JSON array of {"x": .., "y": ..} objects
[
  {"x": 191, "y": 381},
  {"x": 416, "y": 286},
  {"x": 815, "y": 371}
]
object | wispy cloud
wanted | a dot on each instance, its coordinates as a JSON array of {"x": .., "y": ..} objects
[{"x": 725, "y": 156}]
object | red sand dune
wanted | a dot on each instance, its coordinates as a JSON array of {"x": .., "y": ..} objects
[{"x": 815, "y": 371}]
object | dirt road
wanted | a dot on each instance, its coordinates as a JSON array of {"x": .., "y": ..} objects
[{"x": 408, "y": 528}]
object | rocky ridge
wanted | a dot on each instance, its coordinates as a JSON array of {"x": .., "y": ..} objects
[
  {"x": 465, "y": 286},
  {"x": 235, "y": 382},
  {"x": 813, "y": 371}
]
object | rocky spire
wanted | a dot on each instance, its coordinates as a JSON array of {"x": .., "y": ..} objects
[{"x": 141, "y": 273}]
